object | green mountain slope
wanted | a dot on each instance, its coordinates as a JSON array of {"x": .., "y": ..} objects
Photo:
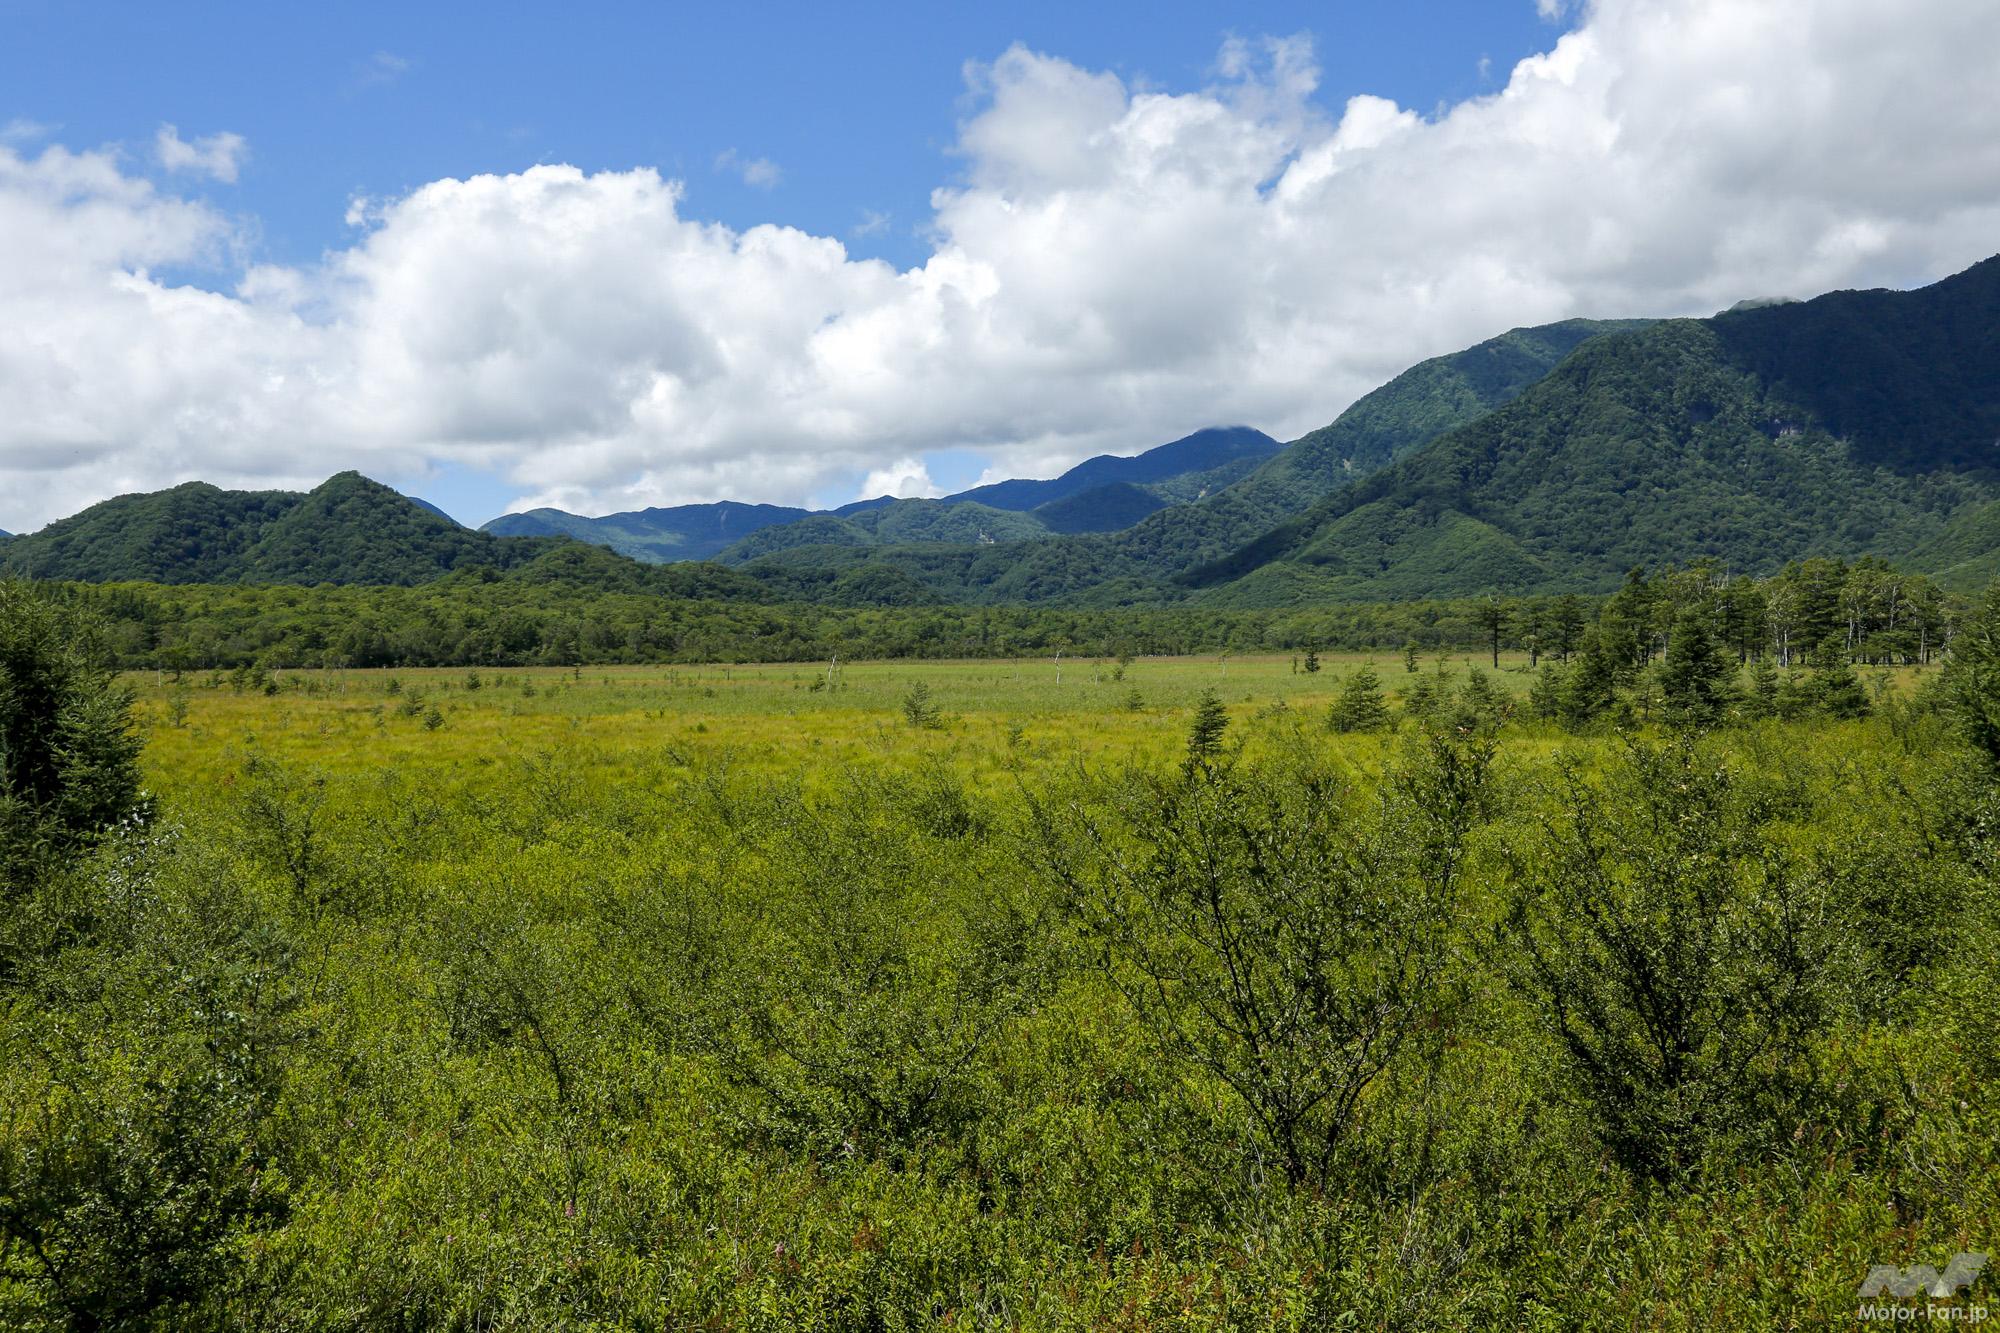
[
  {"x": 896, "y": 522},
  {"x": 347, "y": 530},
  {"x": 193, "y": 533},
  {"x": 1965, "y": 556},
  {"x": 1859, "y": 423},
  {"x": 1106, "y": 508},
  {"x": 1412, "y": 409}
]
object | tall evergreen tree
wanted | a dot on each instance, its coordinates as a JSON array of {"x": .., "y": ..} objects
[
  {"x": 1696, "y": 682},
  {"x": 1763, "y": 698},
  {"x": 1205, "y": 733},
  {"x": 69, "y": 762},
  {"x": 1566, "y": 622},
  {"x": 1835, "y": 690},
  {"x": 1591, "y": 687},
  {"x": 1359, "y": 706},
  {"x": 1972, "y": 679},
  {"x": 1625, "y": 627}
]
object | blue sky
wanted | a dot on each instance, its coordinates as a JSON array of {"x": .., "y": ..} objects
[
  {"x": 623, "y": 255},
  {"x": 856, "y": 107}
]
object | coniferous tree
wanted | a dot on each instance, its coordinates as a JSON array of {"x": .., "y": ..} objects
[
  {"x": 1482, "y": 704},
  {"x": 1359, "y": 707},
  {"x": 1430, "y": 695},
  {"x": 1763, "y": 698},
  {"x": 1695, "y": 683},
  {"x": 1492, "y": 616},
  {"x": 69, "y": 762},
  {"x": 1591, "y": 687},
  {"x": 1835, "y": 690},
  {"x": 1625, "y": 627},
  {"x": 1546, "y": 695},
  {"x": 1566, "y": 622},
  {"x": 1972, "y": 680},
  {"x": 1205, "y": 733}
]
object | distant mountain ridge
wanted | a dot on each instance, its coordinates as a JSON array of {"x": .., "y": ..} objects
[
  {"x": 1202, "y": 452},
  {"x": 1099, "y": 494},
  {"x": 657, "y": 536}
]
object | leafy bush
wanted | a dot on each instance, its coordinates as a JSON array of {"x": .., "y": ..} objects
[
  {"x": 1271, "y": 939},
  {"x": 1674, "y": 950}
]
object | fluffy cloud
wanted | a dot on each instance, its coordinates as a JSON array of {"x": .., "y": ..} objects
[
  {"x": 1113, "y": 267},
  {"x": 906, "y": 479},
  {"x": 216, "y": 155}
]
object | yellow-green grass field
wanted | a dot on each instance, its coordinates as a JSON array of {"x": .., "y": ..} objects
[
  {"x": 739, "y": 997},
  {"x": 994, "y": 717}
]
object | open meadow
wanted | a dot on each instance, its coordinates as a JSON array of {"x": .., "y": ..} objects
[
  {"x": 964, "y": 994},
  {"x": 993, "y": 716}
]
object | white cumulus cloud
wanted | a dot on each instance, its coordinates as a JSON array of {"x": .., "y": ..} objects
[
  {"x": 1111, "y": 266},
  {"x": 905, "y": 479},
  {"x": 216, "y": 155}
]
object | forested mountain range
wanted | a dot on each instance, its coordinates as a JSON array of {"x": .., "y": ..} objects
[
  {"x": 1138, "y": 564},
  {"x": 1101, "y": 494},
  {"x": 1860, "y": 423},
  {"x": 1545, "y": 460}
]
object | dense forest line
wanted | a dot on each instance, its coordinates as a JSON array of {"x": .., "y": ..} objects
[{"x": 1869, "y": 611}]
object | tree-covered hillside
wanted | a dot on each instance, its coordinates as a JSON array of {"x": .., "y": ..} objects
[
  {"x": 347, "y": 530},
  {"x": 894, "y": 522},
  {"x": 1860, "y": 423},
  {"x": 1416, "y": 407}
]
